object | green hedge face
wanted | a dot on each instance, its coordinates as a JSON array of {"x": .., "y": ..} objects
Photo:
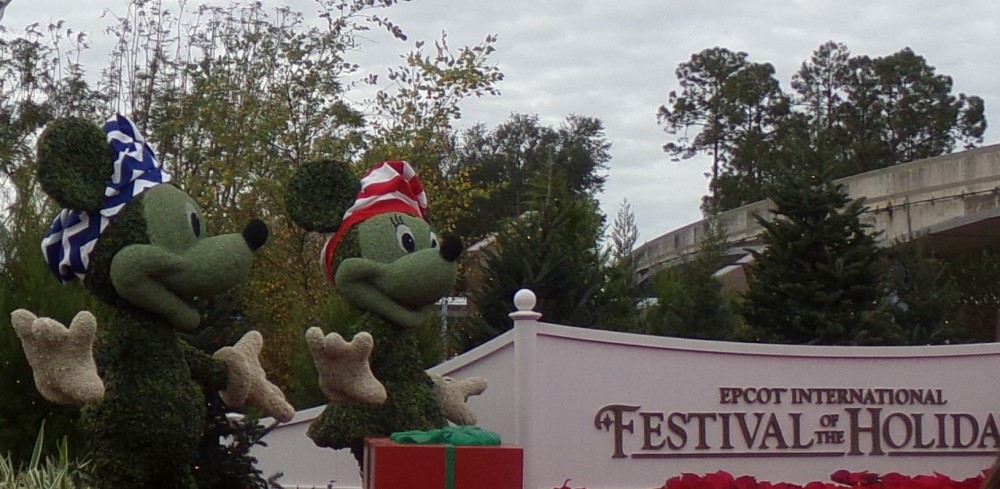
[
  {"x": 398, "y": 272},
  {"x": 179, "y": 265}
]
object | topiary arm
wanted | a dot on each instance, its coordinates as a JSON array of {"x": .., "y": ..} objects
[
  {"x": 452, "y": 395},
  {"x": 247, "y": 383},
  {"x": 61, "y": 358},
  {"x": 344, "y": 373}
]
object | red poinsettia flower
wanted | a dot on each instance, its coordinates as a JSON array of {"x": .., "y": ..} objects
[
  {"x": 821, "y": 485},
  {"x": 785, "y": 485},
  {"x": 840, "y": 478},
  {"x": 894, "y": 480},
  {"x": 973, "y": 482},
  {"x": 853, "y": 478},
  {"x": 686, "y": 480},
  {"x": 746, "y": 482},
  {"x": 718, "y": 480}
]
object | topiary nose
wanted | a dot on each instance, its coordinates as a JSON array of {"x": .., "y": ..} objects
[
  {"x": 451, "y": 248},
  {"x": 255, "y": 234}
]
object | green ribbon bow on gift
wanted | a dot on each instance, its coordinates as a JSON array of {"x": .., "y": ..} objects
[{"x": 449, "y": 436}]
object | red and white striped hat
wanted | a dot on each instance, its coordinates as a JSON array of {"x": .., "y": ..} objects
[{"x": 391, "y": 186}]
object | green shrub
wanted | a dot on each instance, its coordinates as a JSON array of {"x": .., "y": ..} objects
[{"x": 54, "y": 472}]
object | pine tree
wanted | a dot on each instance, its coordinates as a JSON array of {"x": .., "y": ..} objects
[
  {"x": 552, "y": 251},
  {"x": 818, "y": 279},
  {"x": 621, "y": 291},
  {"x": 920, "y": 298},
  {"x": 865, "y": 113},
  {"x": 690, "y": 301}
]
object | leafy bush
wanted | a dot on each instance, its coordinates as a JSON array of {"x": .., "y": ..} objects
[{"x": 54, "y": 472}]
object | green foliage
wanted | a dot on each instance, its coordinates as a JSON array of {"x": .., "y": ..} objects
[
  {"x": 553, "y": 251},
  {"x": 412, "y": 119},
  {"x": 897, "y": 109},
  {"x": 73, "y": 163},
  {"x": 216, "y": 93},
  {"x": 53, "y": 472},
  {"x": 318, "y": 194},
  {"x": 922, "y": 302},
  {"x": 737, "y": 104},
  {"x": 223, "y": 459},
  {"x": 619, "y": 310},
  {"x": 857, "y": 114},
  {"x": 509, "y": 162},
  {"x": 234, "y": 99},
  {"x": 818, "y": 279},
  {"x": 861, "y": 113},
  {"x": 537, "y": 205},
  {"x": 419, "y": 111},
  {"x": 25, "y": 282},
  {"x": 41, "y": 78},
  {"x": 690, "y": 302},
  {"x": 974, "y": 274},
  {"x": 146, "y": 427}
]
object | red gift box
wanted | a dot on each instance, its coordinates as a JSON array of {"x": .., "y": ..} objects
[{"x": 390, "y": 465}]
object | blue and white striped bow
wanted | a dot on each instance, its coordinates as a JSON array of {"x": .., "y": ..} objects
[{"x": 71, "y": 239}]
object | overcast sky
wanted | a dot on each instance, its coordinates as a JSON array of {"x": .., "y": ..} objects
[{"x": 615, "y": 60}]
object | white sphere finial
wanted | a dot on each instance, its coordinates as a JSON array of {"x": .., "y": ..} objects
[{"x": 524, "y": 300}]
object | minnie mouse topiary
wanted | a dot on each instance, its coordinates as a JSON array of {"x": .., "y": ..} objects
[{"x": 385, "y": 260}]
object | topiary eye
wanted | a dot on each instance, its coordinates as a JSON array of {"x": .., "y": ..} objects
[
  {"x": 405, "y": 236},
  {"x": 434, "y": 240},
  {"x": 196, "y": 224}
]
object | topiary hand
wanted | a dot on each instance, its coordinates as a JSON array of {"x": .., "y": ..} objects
[
  {"x": 344, "y": 373},
  {"x": 452, "y": 394},
  {"x": 61, "y": 358},
  {"x": 246, "y": 382}
]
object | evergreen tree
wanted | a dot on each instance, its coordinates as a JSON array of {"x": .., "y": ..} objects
[
  {"x": 920, "y": 300},
  {"x": 738, "y": 107},
  {"x": 864, "y": 113},
  {"x": 690, "y": 301},
  {"x": 975, "y": 273},
  {"x": 818, "y": 279},
  {"x": 621, "y": 292},
  {"x": 553, "y": 251},
  {"x": 506, "y": 163}
]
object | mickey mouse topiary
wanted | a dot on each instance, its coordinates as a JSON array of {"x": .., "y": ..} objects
[
  {"x": 385, "y": 260},
  {"x": 139, "y": 244}
]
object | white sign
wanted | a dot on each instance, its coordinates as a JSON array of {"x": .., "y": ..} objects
[
  {"x": 619, "y": 410},
  {"x": 615, "y": 410}
]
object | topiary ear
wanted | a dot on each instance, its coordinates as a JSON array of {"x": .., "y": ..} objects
[
  {"x": 74, "y": 163},
  {"x": 318, "y": 194}
]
